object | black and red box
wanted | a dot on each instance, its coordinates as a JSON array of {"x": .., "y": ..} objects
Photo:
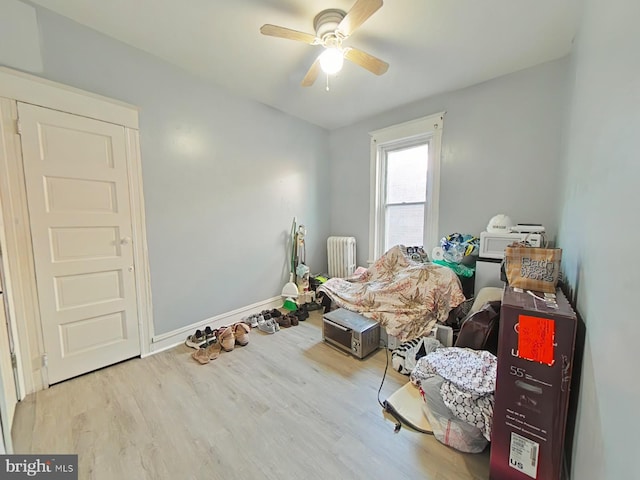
[{"x": 535, "y": 362}]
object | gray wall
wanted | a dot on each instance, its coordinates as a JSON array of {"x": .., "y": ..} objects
[
  {"x": 223, "y": 176},
  {"x": 599, "y": 228},
  {"x": 500, "y": 150}
]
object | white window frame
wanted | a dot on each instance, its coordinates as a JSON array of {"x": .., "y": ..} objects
[{"x": 419, "y": 131}]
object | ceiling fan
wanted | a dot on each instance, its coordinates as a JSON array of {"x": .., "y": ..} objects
[{"x": 332, "y": 27}]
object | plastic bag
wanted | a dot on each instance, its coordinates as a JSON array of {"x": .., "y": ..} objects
[
  {"x": 405, "y": 357},
  {"x": 457, "y": 246},
  {"x": 459, "y": 268},
  {"x": 447, "y": 428}
]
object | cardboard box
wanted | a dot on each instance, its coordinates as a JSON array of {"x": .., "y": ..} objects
[{"x": 535, "y": 361}]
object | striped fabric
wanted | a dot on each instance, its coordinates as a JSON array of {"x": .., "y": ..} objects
[{"x": 405, "y": 357}]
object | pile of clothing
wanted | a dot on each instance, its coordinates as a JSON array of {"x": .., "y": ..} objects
[{"x": 457, "y": 386}]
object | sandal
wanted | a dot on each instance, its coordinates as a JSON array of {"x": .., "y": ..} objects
[
  {"x": 196, "y": 340},
  {"x": 213, "y": 349},
  {"x": 241, "y": 332},
  {"x": 201, "y": 356},
  {"x": 226, "y": 338}
]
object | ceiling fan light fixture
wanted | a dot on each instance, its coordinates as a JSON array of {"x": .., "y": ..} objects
[
  {"x": 333, "y": 26},
  {"x": 331, "y": 60}
]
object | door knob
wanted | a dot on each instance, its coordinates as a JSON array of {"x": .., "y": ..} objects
[{"x": 125, "y": 240}]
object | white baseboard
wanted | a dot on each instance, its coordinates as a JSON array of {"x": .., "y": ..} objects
[{"x": 171, "y": 339}]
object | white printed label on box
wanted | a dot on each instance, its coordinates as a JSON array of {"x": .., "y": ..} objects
[{"x": 523, "y": 455}]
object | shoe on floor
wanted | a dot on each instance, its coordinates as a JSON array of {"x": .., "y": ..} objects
[
  {"x": 284, "y": 321},
  {"x": 267, "y": 326},
  {"x": 195, "y": 340},
  {"x": 201, "y": 356},
  {"x": 293, "y": 319},
  {"x": 212, "y": 349},
  {"x": 255, "y": 320},
  {"x": 241, "y": 332},
  {"x": 311, "y": 306},
  {"x": 302, "y": 313},
  {"x": 208, "y": 333},
  {"x": 226, "y": 338},
  {"x": 252, "y": 320}
]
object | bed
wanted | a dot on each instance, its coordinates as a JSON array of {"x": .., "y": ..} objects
[{"x": 407, "y": 297}]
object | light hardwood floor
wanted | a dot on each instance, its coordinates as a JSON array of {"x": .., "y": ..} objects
[{"x": 287, "y": 406}]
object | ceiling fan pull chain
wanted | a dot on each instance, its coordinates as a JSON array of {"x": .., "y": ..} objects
[{"x": 327, "y": 88}]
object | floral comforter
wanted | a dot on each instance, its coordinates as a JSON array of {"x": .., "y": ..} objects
[{"x": 407, "y": 297}]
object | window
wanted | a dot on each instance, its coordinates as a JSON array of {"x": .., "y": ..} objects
[
  {"x": 404, "y": 195},
  {"x": 405, "y": 179}
]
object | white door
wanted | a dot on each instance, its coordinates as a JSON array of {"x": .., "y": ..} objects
[{"x": 78, "y": 198}]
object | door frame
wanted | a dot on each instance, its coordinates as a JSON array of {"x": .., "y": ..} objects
[{"x": 20, "y": 275}]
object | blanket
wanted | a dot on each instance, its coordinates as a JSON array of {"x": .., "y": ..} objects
[{"x": 406, "y": 296}]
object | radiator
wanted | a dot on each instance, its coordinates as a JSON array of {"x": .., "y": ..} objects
[{"x": 342, "y": 256}]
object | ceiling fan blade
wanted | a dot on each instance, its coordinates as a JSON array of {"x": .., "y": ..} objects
[
  {"x": 282, "y": 32},
  {"x": 312, "y": 74},
  {"x": 371, "y": 63},
  {"x": 358, "y": 14}
]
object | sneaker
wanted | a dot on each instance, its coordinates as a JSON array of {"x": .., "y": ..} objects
[
  {"x": 302, "y": 313},
  {"x": 195, "y": 340},
  {"x": 253, "y": 320},
  {"x": 208, "y": 333},
  {"x": 311, "y": 306},
  {"x": 284, "y": 321},
  {"x": 267, "y": 326}
]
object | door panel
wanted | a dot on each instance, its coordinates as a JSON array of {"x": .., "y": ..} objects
[
  {"x": 65, "y": 145},
  {"x": 89, "y": 333},
  {"x": 78, "y": 198},
  {"x": 73, "y": 195},
  {"x": 69, "y": 244},
  {"x": 82, "y": 290}
]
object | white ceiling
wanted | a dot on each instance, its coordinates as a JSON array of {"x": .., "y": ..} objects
[{"x": 432, "y": 46}]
